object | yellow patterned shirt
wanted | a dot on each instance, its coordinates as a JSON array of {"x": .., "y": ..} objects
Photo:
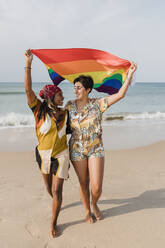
[{"x": 51, "y": 133}]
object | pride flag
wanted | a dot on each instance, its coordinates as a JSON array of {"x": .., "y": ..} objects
[{"x": 108, "y": 71}]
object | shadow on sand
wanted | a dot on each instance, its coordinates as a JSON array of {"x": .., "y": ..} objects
[{"x": 147, "y": 200}]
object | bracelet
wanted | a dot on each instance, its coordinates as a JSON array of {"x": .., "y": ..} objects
[{"x": 27, "y": 67}]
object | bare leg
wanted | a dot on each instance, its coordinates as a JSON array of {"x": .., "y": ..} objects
[
  {"x": 57, "y": 187},
  {"x": 48, "y": 183},
  {"x": 81, "y": 169},
  {"x": 96, "y": 171}
]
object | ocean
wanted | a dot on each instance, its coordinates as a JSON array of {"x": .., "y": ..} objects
[
  {"x": 136, "y": 120},
  {"x": 144, "y": 104}
]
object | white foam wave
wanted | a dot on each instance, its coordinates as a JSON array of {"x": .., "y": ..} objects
[
  {"x": 16, "y": 120},
  {"x": 136, "y": 116},
  {"x": 22, "y": 120},
  {"x": 145, "y": 115}
]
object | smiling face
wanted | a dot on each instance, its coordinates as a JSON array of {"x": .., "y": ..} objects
[
  {"x": 58, "y": 98},
  {"x": 80, "y": 91}
]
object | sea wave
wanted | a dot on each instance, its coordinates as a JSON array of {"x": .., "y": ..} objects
[
  {"x": 16, "y": 120},
  {"x": 135, "y": 116}
]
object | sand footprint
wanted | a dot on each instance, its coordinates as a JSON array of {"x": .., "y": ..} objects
[
  {"x": 3, "y": 183},
  {"x": 2, "y": 180},
  {"x": 2, "y": 220},
  {"x": 32, "y": 230}
]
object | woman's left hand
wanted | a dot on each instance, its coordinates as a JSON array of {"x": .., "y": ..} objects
[{"x": 132, "y": 68}]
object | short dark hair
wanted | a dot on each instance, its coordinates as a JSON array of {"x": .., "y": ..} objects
[{"x": 86, "y": 81}]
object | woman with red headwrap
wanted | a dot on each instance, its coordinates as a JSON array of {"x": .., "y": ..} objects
[{"x": 52, "y": 150}]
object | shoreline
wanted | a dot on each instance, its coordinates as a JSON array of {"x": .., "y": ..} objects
[{"x": 114, "y": 137}]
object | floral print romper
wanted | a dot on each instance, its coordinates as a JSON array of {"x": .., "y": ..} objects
[{"x": 86, "y": 129}]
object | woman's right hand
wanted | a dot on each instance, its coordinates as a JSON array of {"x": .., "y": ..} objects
[{"x": 28, "y": 56}]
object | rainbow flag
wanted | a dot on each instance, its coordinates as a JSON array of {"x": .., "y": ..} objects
[{"x": 108, "y": 71}]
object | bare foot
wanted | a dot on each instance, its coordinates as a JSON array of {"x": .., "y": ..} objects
[
  {"x": 97, "y": 212},
  {"x": 54, "y": 231},
  {"x": 89, "y": 219}
]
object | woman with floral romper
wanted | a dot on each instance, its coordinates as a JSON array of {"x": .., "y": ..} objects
[{"x": 85, "y": 145}]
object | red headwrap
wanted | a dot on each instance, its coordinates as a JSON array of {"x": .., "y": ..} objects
[{"x": 48, "y": 91}]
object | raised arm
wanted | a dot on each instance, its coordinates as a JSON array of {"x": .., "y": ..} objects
[
  {"x": 28, "y": 80},
  {"x": 121, "y": 93}
]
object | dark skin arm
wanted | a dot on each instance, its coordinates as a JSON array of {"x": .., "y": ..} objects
[{"x": 27, "y": 79}]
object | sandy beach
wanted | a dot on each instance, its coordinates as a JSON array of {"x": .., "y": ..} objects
[
  {"x": 132, "y": 203},
  {"x": 69, "y": 39}
]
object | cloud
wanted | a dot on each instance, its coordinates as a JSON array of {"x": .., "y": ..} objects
[{"x": 129, "y": 29}]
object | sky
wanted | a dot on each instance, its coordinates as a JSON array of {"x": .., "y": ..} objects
[{"x": 130, "y": 29}]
